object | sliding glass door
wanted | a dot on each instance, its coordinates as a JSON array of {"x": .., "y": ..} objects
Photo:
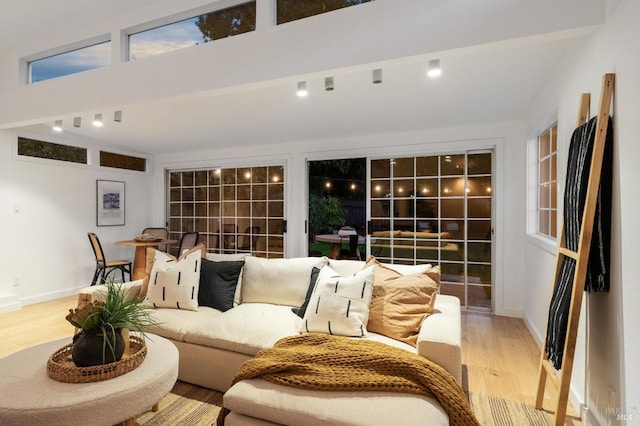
[{"x": 437, "y": 209}]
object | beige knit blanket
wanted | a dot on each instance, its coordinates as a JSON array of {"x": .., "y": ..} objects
[{"x": 323, "y": 362}]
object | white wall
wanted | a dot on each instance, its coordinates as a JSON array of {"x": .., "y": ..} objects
[
  {"x": 611, "y": 338},
  {"x": 45, "y": 246},
  {"x": 509, "y": 175},
  {"x": 274, "y": 52}
]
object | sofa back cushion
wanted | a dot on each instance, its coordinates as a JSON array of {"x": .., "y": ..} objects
[{"x": 277, "y": 281}]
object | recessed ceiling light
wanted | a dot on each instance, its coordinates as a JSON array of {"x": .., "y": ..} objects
[
  {"x": 97, "y": 120},
  {"x": 376, "y": 76},
  {"x": 434, "y": 68},
  {"x": 57, "y": 126},
  {"x": 302, "y": 89}
]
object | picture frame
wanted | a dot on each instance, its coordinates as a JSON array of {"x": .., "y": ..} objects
[{"x": 110, "y": 203}]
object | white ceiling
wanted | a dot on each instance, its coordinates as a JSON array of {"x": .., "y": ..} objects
[{"x": 477, "y": 86}]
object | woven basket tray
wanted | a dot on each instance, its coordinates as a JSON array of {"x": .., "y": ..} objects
[{"x": 60, "y": 366}]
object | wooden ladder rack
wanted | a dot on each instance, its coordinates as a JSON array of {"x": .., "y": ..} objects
[{"x": 562, "y": 380}]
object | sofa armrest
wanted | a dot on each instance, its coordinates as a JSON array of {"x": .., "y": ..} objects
[
  {"x": 440, "y": 336},
  {"x": 97, "y": 292}
]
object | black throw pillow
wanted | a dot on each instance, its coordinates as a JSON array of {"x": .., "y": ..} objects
[
  {"x": 218, "y": 281},
  {"x": 312, "y": 283}
]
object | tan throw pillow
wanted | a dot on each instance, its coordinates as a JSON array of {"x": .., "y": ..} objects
[
  {"x": 151, "y": 255},
  {"x": 400, "y": 303}
]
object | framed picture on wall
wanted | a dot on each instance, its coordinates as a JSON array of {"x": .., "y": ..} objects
[{"x": 109, "y": 203}]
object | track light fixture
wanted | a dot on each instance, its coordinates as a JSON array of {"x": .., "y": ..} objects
[
  {"x": 328, "y": 84},
  {"x": 434, "y": 68},
  {"x": 97, "y": 120},
  {"x": 57, "y": 126},
  {"x": 302, "y": 89},
  {"x": 376, "y": 76}
]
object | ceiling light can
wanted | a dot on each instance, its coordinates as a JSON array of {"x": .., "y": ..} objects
[
  {"x": 328, "y": 84},
  {"x": 302, "y": 89},
  {"x": 434, "y": 68},
  {"x": 376, "y": 76}
]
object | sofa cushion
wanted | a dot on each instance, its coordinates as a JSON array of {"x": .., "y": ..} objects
[
  {"x": 247, "y": 328},
  {"x": 277, "y": 281},
  {"x": 400, "y": 302},
  {"x": 175, "y": 323},
  {"x": 174, "y": 284},
  {"x": 286, "y": 405},
  {"x": 339, "y": 305},
  {"x": 218, "y": 281}
]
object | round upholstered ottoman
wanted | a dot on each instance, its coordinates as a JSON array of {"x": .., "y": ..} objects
[{"x": 31, "y": 397}]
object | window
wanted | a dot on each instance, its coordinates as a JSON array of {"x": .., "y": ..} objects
[
  {"x": 548, "y": 182},
  {"x": 70, "y": 62},
  {"x": 236, "y": 210},
  {"x": 193, "y": 31},
  {"x": 119, "y": 161},
  {"x": 437, "y": 209},
  {"x": 51, "y": 151},
  {"x": 292, "y": 10}
]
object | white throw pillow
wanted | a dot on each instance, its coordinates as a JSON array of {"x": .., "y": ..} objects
[
  {"x": 174, "y": 284},
  {"x": 339, "y": 305}
]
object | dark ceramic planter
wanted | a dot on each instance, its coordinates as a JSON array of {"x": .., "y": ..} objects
[{"x": 90, "y": 348}]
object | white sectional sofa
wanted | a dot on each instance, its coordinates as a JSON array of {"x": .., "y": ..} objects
[{"x": 213, "y": 344}]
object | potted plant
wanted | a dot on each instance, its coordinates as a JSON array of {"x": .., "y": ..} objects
[{"x": 102, "y": 323}]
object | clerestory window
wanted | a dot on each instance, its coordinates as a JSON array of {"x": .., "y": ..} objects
[{"x": 193, "y": 31}]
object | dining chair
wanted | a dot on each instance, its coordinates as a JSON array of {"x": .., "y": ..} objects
[
  {"x": 352, "y": 251},
  {"x": 160, "y": 233},
  {"x": 229, "y": 237},
  {"x": 250, "y": 239},
  {"x": 103, "y": 266},
  {"x": 188, "y": 241}
]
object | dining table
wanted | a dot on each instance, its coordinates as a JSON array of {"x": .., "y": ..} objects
[
  {"x": 140, "y": 257},
  {"x": 336, "y": 242}
]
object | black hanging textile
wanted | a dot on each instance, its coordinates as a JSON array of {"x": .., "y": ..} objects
[{"x": 580, "y": 152}]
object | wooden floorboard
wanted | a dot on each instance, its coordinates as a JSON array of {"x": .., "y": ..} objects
[{"x": 499, "y": 354}]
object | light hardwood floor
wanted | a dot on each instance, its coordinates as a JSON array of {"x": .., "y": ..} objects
[{"x": 499, "y": 355}]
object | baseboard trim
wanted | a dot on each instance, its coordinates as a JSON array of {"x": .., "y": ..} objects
[
  {"x": 9, "y": 303},
  {"x": 51, "y": 296}
]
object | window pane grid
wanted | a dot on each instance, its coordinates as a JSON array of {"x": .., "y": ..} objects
[
  {"x": 437, "y": 210},
  {"x": 235, "y": 210},
  {"x": 547, "y": 183}
]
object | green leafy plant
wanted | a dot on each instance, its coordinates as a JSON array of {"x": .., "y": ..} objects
[
  {"x": 118, "y": 311},
  {"x": 325, "y": 213}
]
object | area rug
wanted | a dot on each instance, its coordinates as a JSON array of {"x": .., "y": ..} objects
[
  {"x": 185, "y": 405},
  {"x": 494, "y": 411},
  {"x": 189, "y": 405}
]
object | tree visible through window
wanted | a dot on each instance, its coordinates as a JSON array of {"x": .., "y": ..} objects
[
  {"x": 192, "y": 31},
  {"x": 548, "y": 182},
  {"x": 292, "y": 10}
]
